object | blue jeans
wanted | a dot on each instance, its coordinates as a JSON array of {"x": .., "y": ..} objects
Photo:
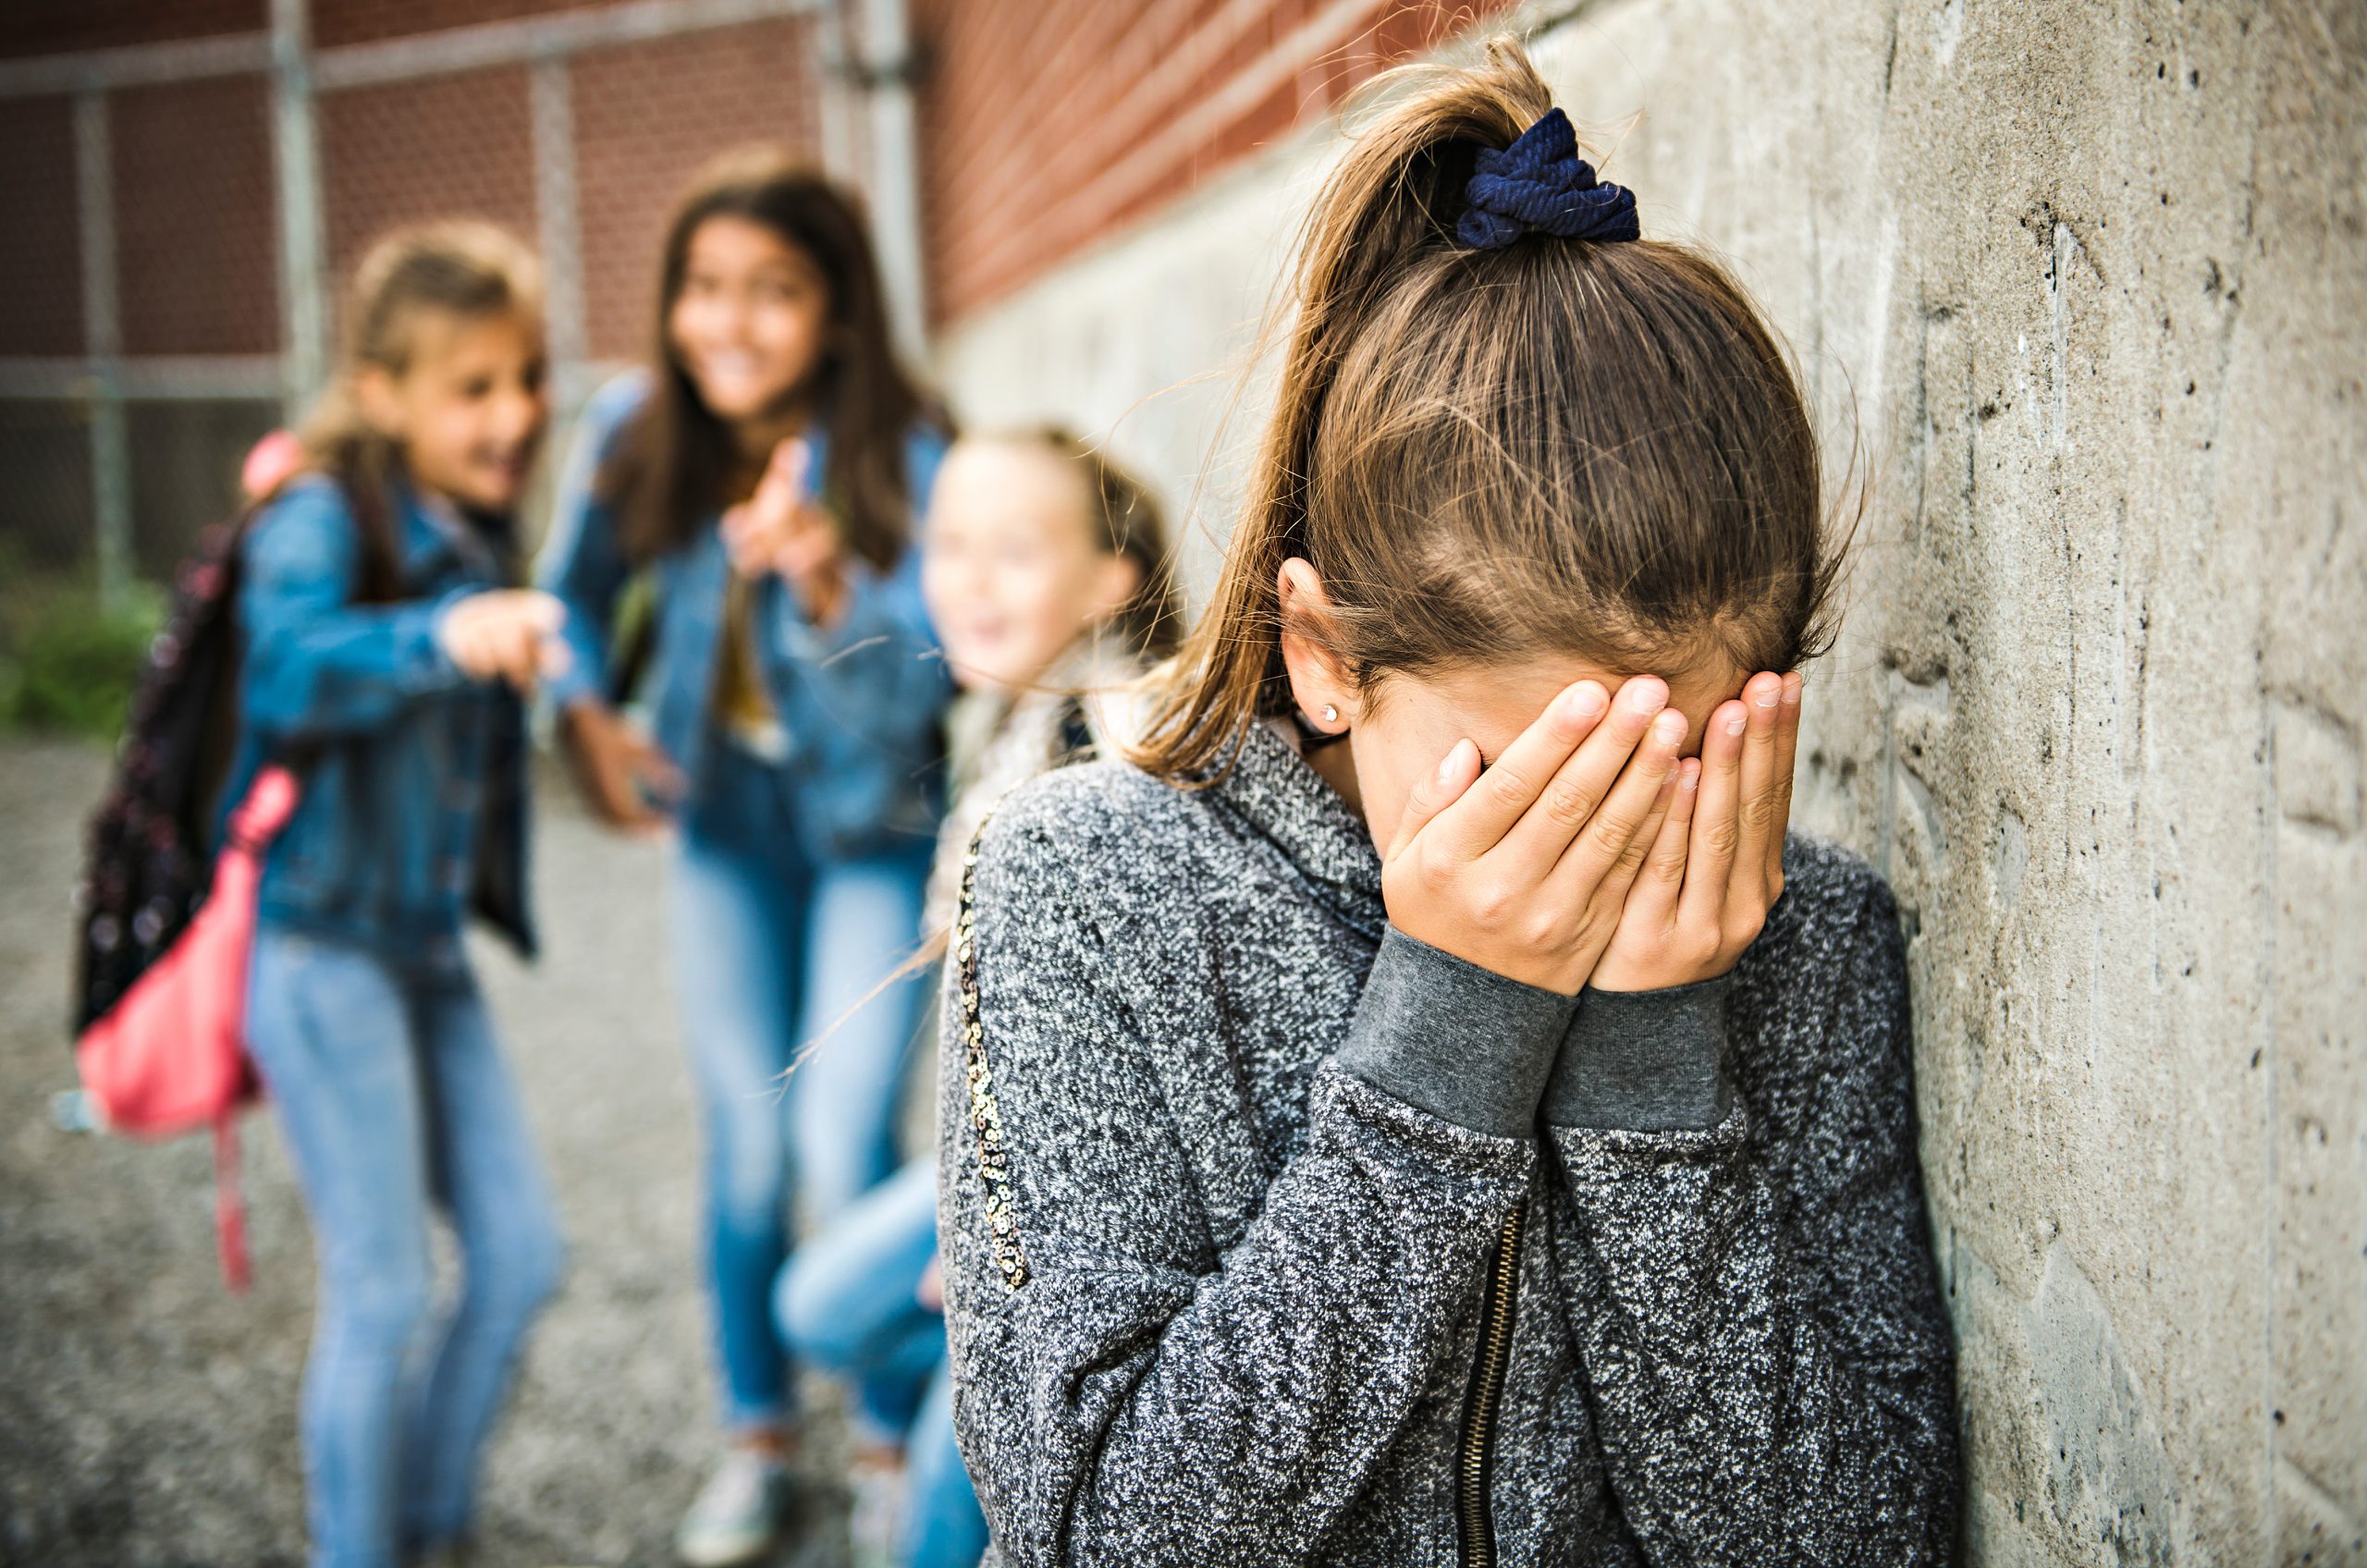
[
  {"x": 848, "y": 1304},
  {"x": 783, "y": 962},
  {"x": 393, "y": 1096}
]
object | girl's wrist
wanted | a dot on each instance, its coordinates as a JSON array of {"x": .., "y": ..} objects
[{"x": 822, "y": 594}]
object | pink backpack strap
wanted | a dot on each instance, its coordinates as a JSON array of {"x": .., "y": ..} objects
[{"x": 229, "y": 1204}]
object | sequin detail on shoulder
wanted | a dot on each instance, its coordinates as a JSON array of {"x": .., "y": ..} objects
[{"x": 986, "y": 1117}]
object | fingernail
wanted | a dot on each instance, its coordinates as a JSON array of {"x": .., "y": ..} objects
[
  {"x": 1646, "y": 696},
  {"x": 1669, "y": 729},
  {"x": 1586, "y": 701},
  {"x": 1689, "y": 777},
  {"x": 1766, "y": 696},
  {"x": 1791, "y": 690},
  {"x": 1735, "y": 723},
  {"x": 1446, "y": 766}
]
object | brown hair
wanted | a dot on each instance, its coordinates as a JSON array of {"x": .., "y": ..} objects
[
  {"x": 1588, "y": 448},
  {"x": 671, "y": 472},
  {"x": 463, "y": 269},
  {"x": 1125, "y": 521}
]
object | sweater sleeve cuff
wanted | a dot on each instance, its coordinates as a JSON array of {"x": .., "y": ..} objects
[
  {"x": 1649, "y": 1061},
  {"x": 1461, "y": 1042}
]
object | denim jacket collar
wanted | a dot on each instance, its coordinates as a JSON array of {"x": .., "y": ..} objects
[{"x": 435, "y": 536}]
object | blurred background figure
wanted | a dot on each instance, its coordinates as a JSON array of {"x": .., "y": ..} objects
[
  {"x": 385, "y": 658},
  {"x": 1046, "y": 569},
  {"x": 765, "y": 473}
]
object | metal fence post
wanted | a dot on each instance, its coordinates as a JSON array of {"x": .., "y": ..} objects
[
  {"x": 895, "y": 198},
  {"x": 302, "y": 247},
  {"x": 558, "y": 229},
  {"x": 102, "y": 345}
]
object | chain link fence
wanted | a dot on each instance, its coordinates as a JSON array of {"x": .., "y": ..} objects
[{"x": 188, "y": 186}]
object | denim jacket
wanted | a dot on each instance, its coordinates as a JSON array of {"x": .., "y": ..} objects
[
  {"x": 859, "y": 702},
  {"x": 414, "y": 789}
]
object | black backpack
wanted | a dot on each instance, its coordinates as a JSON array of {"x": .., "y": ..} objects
[{"x": 150, "y": 850}]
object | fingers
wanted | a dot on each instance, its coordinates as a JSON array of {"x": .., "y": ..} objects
[
  {"x": 746, "y": 541},
  {"x": 780, "y": 491},
  {"x": 1512, "y": 782},
  {"x": 1717, "y": 829},
  {"x": 655, "y": 772},
  {"x": 540, "y": 611},
  {"x": 1443, "y": 789},
  {"x": 1660, "y": 874},
  {"x": 1787, "y": 744},
  {"x": 1762, "y": 699},
  {"x": 788, "y": 464},
  {"x": 1619, "y": 884},
  {"x": 1570, "y": 801},
  {"x": 1615, "y": 834}
]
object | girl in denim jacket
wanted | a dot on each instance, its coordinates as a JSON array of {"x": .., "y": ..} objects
[
  {"x": 761, "y": 476},
  {"x": 384, "y": 657}
]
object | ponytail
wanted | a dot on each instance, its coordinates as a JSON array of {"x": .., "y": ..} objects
[{"x": 1438, "y": 449}]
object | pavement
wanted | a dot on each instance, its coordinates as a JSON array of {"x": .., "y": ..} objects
[{"x": 148, "y": 1417}]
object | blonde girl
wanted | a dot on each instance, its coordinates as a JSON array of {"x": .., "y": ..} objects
[{"x": 385, "y": 653}]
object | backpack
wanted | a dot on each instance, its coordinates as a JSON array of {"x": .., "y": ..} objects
[{"x": 168, "y": 923}]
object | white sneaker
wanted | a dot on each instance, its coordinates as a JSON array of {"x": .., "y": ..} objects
[{"x": 739, "y": 1514}]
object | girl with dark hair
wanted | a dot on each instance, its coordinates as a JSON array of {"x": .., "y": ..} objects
[
  {"x": 764, "y": 472},
  {"x": 385, "y": 649},
  {"x": 1426, "y": 1108}
]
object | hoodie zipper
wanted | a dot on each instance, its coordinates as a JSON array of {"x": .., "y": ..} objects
[{"x": 1486, "y": 1390}]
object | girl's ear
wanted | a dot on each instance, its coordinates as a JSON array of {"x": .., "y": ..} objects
[
  {"x": 1115, "y": 581},
  {"x": 1318, "y": 684},
  {"x": 373, "y": 395}
]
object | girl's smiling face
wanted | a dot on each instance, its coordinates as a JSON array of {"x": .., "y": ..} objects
[
  {"x": 1008, "y": 564},
  {"x": 750, "y": 323},
  {"x": 469, "y": 407}
]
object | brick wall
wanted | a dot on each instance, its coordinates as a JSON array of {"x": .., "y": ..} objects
[
  {"x": 194, "y": 209},
  {"x": 51, "y": 27},
  {"x": 646, "y": 118},
  {"x": 446, "y": 146},
  {"x": 196, "y": 260},
  {"x": 369, "y": 21},
  {"x": 1046, "y": 124},
  {"x": 41, "y": 277}
]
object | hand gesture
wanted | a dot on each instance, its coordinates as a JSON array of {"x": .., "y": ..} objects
[
  {"x": 780, "y": 530},
  {"x": 1716, "y": 865},
  {"x": 1523, "y": 869},
  {"x": 505, "y": 634},
  {"x": 622, "y": 772}
]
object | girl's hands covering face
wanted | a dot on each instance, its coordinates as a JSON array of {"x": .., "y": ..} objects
[
  {"x": 1590, "y": 853},
  {"x": 1716, "y": 863},
  {"x": 1523, "y": 869}
]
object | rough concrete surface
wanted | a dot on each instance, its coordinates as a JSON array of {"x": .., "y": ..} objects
[
  {"x": 148, "y": 1418},
  {"x": 2088, "y": 287}
]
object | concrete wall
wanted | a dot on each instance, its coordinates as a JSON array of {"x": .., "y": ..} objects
[{"x": 2094, "y": 281}]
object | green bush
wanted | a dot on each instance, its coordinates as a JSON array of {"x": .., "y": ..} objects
[{"x": 73, "y": 664}]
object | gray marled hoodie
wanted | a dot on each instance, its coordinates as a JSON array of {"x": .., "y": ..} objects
[{"x": 1274, "y": 1236}]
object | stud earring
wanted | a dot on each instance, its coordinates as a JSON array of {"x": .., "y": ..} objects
[{"x": 1330, "y": 714}]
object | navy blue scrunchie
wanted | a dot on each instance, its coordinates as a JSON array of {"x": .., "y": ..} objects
[{"x": 1539, "y": 183}]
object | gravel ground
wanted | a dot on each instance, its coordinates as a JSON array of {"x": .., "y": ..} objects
[{"x": 149, "y": 1418}]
